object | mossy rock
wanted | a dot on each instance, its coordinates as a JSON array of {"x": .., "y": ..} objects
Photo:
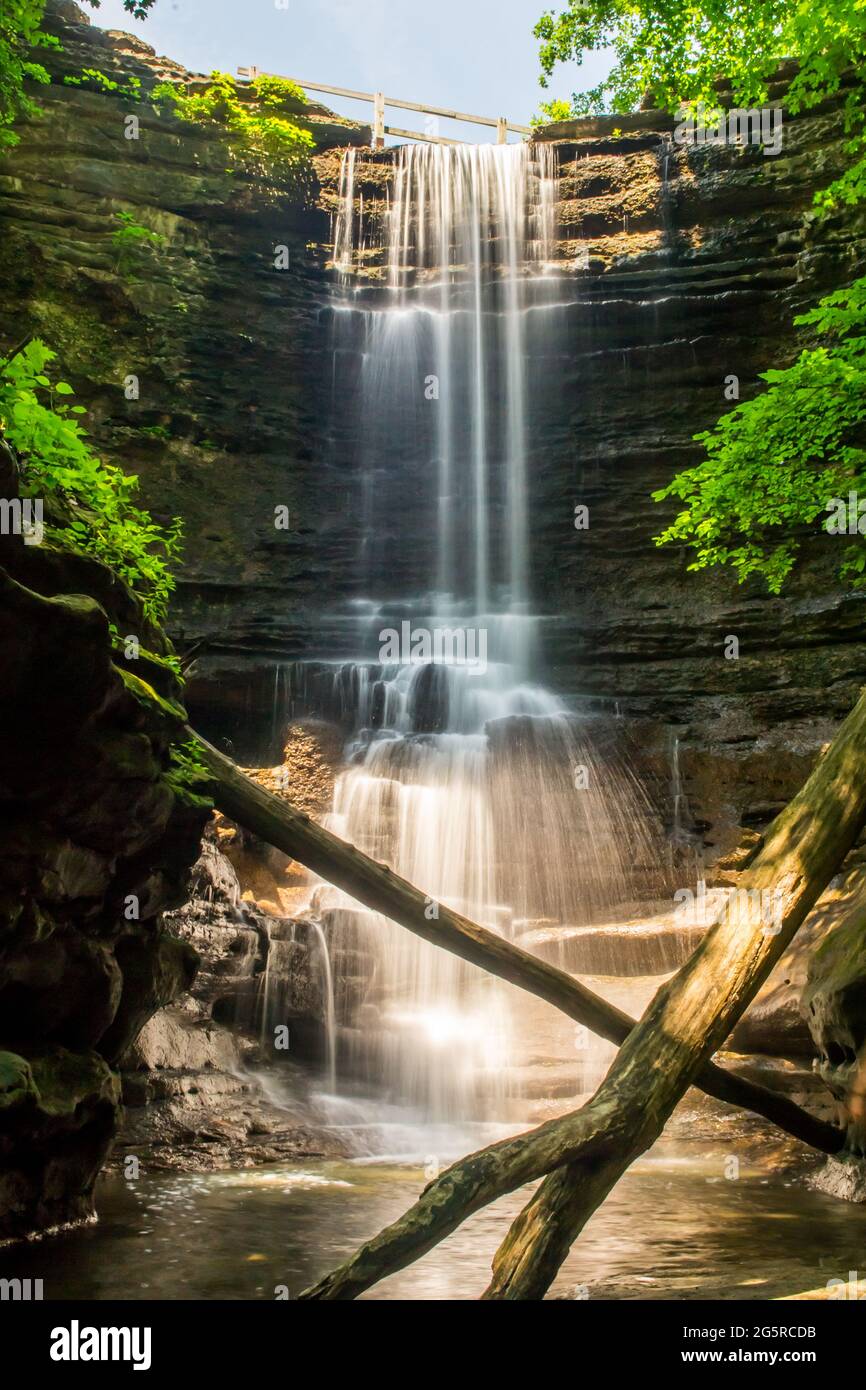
[
  {"x": 64, "y": 1080},
  {"x": 17, "y": 1086},
  {"x": 147, "y": 696}
]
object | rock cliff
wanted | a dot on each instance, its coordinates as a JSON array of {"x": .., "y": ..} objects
[{"x": 98, "y": 833}]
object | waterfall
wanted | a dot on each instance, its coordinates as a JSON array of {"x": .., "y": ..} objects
[
  {"x": 329, "y": 1006},
  {"x": 461, "y": 771}
]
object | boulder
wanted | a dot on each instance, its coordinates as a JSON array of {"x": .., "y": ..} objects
[{"x": 57, "y": 1119}]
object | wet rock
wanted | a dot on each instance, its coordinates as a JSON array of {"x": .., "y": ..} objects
[
  {"x": 843, "y": 1178},
  {"x": 213, "y": 878},
  {"x": 65, "y": 990},
  {"x": 192, "y": 1079},
  {"x": 156, "y": 968},
  {"x": 835, "y": 1002},
  {"x": 57, "y": 1120},
  {"x": 429, "y": 699},
  {"x": 172, "y": 1040},
  {"x": 638, "y": 947}
]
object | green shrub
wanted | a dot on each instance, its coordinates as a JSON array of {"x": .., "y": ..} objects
[
  {"x": 263, "y": 137},
  {"x": 130, "y": 239},
  {"x": 101, "y": 82},
  {"x": 89, "y": 504},
  {"x": 19, "y": 35},
  {"x": 188, "y": 775},
  {"x": 774, "y": 463}
]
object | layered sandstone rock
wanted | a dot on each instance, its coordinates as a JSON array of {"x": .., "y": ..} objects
[{"x": 98, "y": 834}]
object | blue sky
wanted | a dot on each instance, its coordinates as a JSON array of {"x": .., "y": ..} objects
[{"x": 477, "y": 56}]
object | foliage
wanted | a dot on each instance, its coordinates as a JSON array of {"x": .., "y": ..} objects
[
  {"x": 556, "y": 110},
  {"x": 168, "y": 662},
  {"x": 131, "y": 239},
  {"x": 89, "y": 503},
  {"x": 681, "y": 53},
  {"x": 101, "y": 82},
  {"x": 775, "y": 462},
  {"x": 188, "y": 776},
  {"x": 20, "y": 33},
  {"x": 137, "y": 8},
  {"x": 263, "y": 136}
]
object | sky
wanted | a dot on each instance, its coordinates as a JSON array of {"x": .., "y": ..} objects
[{"x": 477, "y": 56}]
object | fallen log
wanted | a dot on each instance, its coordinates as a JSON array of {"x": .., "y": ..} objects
[
  {"x": 377, "y": 887},
  {"x": 586, "y": 1152}
]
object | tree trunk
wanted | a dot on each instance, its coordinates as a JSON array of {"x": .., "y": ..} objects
[
  {"x": 685, "y": 1022},
  {"x": 374, "y": 885}
]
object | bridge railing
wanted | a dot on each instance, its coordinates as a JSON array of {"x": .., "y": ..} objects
[{"x": 379, "y": 102}]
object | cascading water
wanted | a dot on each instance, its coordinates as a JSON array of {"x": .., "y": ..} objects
[{"x": 466, "y": 777}]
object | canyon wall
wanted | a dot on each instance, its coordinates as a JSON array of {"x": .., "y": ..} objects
[{"x": 679, "y": 267}]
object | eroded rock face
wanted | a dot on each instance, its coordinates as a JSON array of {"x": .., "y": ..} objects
[
  {"x": 97, "y": 840},
  {"x": 203, "y": 1083}
]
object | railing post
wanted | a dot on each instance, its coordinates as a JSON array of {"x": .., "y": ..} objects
[
  {"x": 502, "y": 130},
  {"x": 378, "y": 121}
]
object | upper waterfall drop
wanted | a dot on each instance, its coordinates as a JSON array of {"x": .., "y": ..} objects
[{"x": 468, "y": 233}]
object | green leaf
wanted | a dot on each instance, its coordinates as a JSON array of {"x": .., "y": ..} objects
[{"x": 93, "y": 508}]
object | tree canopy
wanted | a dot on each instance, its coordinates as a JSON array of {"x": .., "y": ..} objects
[{"x": 682, "y": 53}]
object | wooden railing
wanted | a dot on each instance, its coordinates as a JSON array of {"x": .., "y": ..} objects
[{"x": 379, "y": 101}]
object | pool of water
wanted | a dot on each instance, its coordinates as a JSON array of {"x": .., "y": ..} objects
[{"x": 674, "y": 1228}]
